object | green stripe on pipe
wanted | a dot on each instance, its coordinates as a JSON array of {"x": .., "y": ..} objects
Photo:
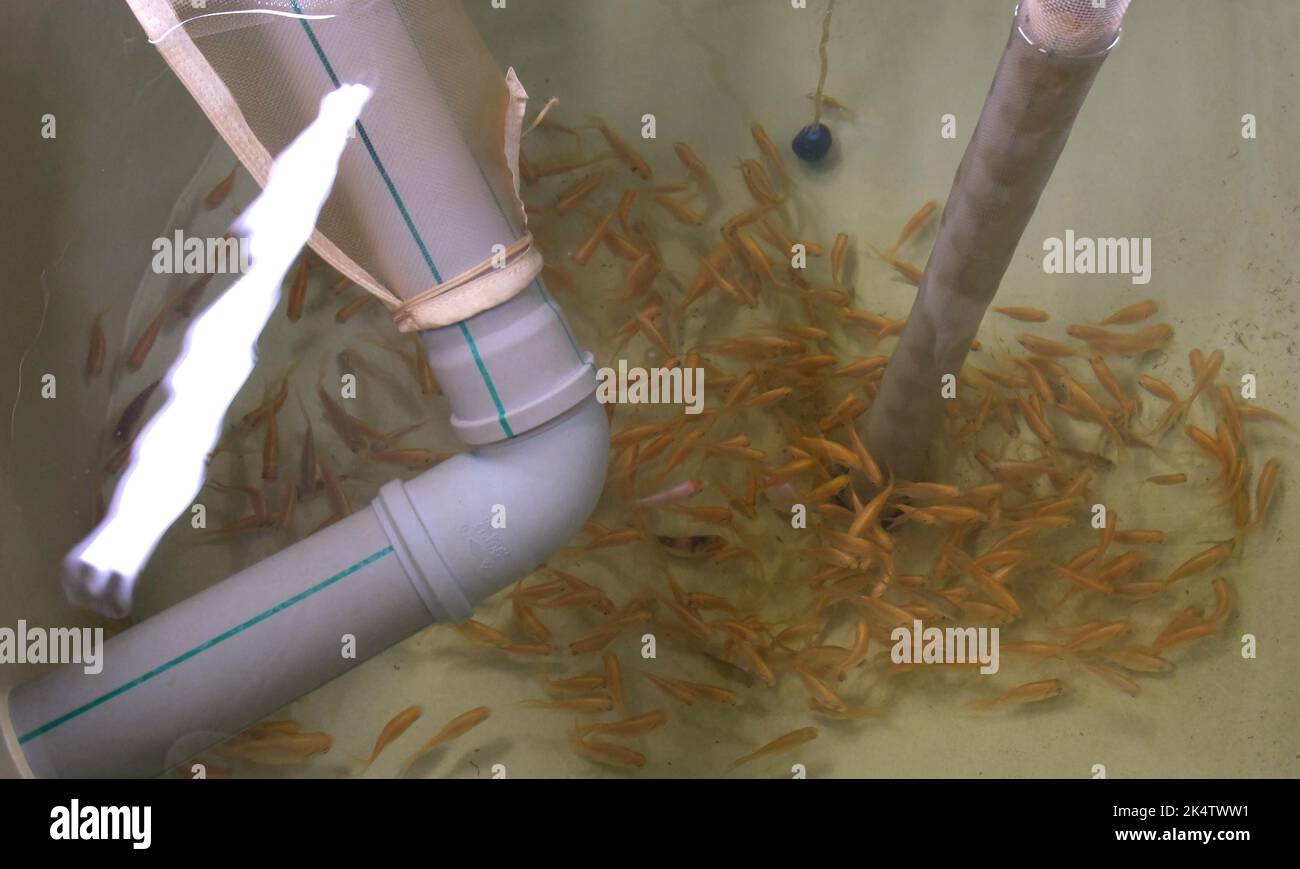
[
  {"x": 482, "y": 369},
  {"x": 406, "y": 217},
  {"x": 203, "y": 647},
  {"x": 577, "y": 351}
]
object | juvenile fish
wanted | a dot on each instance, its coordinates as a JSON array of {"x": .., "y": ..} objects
[
  {"x": 131, "y": 415},
  {"x": 1132, "y": 313},
  {"x": 458, "y": 726},
  {"x": 399, "y": 724},
  {"x": 1024, "y": 315},
  {"x": 625, "y": 152},
  {"x": 793, "y": 739},
  {"x": 298, "y": 289},
  {"x": 1030, "y": 692},
  {"x": 146, "y": 341},
  {"x": 98, "y": 348},
  {"x": 279, "y": 749},
  {"x": 218, "y": 193}
]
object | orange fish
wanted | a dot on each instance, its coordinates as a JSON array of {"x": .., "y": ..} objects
[
  {"x": 98, "y": 348},
  {"x": 793, "y": 739},
  {"x": 218, "y": 194},
  {"x": 458, "y": 726},
  {"x": 399, "y": 724}
]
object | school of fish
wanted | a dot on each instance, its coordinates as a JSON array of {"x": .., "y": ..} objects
[{"x": 694, "y": 544}]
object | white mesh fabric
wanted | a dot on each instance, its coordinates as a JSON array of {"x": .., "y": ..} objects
[
  {"x": 425, "y": 191},
  {"x": 1071, "y": 27}
]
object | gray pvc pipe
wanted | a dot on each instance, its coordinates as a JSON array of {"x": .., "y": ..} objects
[
  {"x": 1022, "y": 130},
  {"x": 423, "y": 551},
  {"x": 449, "y": 216}
]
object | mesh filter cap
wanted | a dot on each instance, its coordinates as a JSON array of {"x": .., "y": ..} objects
[{"x": 1071, "y": 27}]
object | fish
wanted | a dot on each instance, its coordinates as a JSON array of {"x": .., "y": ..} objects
[
  {"x": 287, "y": 505},
  {"x": 1132, "y": 536},
  {"x": 189, "y": 299},
  {"x": 146, "y": 340},
  {"x": 1138, "y": 661},
  {"x": 1200, "y": 561},
  {"x": 1036, "y": 420},
  {"x": 1167, "y": 479},
  {"x": 915, "y": 222},
  {"x": 594, "y": 642},
  {"x": 614, "y": 684},
  {"x": 307, "y": 474},
  {"x": 338, "y": 499},
  {"x": 592, "y": 244},
  {"x": 576, "y": 193},
  {"x": 352, "y": 308},
  {"x": 556, "y": 277},
  {"x": 580, "y": 684},
  {"x": 1085, "y": 402},
  {"x": 529, "y": 623},
  {"x": 221, "y": 190},
  {"x": 625, "y": 152},
  {"x": 826, "y": 490},
  {"x": 716, "y": 515},
  {"x": 278, "y": 749},
  {"x": 680, "y": 211},
  {"x": 457, "y": 727},
  {"x": 673, "y": 494},
  {"x": 1264, "y": 489},
  {"x": 692, "y": 163},
  {"x": 793, "y": 739},
  {"x": 1254, "y": 413},
  {"x": 400, "y": 723},
  {"x": 481, "y": 633},
  {"x": 1186, "y": 636},
  {"x": 581, "y": 705},
  {"x": 830, "y": 102},
  {"x": 97, "y": 350},
  {"x": 770, "y": 151},
  {"x": 770, "y": 397},
  {"x": 754, "y": 257},
  {"x": 858, "y": 651},
  {"x": 1024, "y": 315},
  {"x": 749, "y": 215},
  {"x": 1110, "y": 383},
  {"x": 410, "y": 457},
  {"x": 423, "y": 370},
  {"x": 298, "y": 289},
  {"x": 354, "y": 432},
  {"x": 760, "y": 186},
  {"x": 271, "y": 406},
  {"x": 1096, "y": 637},
  {"x": 125, "y": 429},
  {"x": 271, "y": 450},
  {"x": 910, "y": 272},
  {"x": 1132, "y": 313},
  {"x": 1030, "y": 692},
  {"x": 1114, "y": 677},
  {"x": 1123, "y": 343},
  {"x": 604, "y": 751},
  {"x": 1044, "y": 346},
  {"x": 638, "y": 725},
  {"x": 538, "y": 649}
]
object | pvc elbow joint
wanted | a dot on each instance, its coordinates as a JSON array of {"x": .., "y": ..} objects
[{"x": 523, "y": 392}]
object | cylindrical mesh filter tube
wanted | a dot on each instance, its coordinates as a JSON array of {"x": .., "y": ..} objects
[{"x": 1035, "y": 97}]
